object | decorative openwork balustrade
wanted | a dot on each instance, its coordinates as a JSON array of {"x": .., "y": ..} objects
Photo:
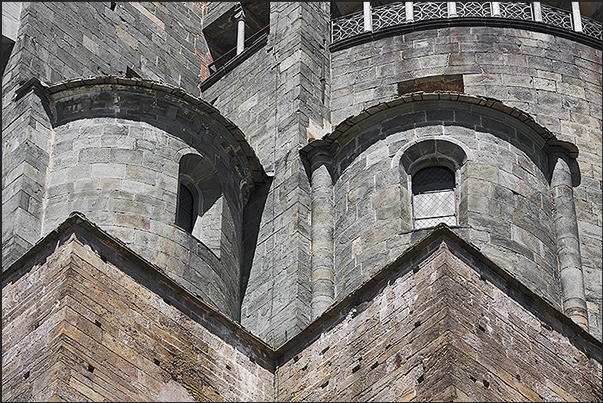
[{"x": 394, "y": 14}]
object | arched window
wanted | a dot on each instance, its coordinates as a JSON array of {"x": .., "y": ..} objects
[
  {"x": 200, "y": 205},
  {"x": 186, "y": 214},
  {"x": 433, "y": 197}
]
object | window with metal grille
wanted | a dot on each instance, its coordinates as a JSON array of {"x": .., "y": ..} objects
[
  {"x": 186, "y": 205},
  {"x": 433, "y": 197}
]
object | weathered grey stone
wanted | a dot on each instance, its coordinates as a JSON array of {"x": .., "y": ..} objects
[{"x": 114, "y": 153}]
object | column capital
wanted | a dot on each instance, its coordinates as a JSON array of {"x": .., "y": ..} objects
[
  {"x": 318, "y": 157},
  {"x": 240, "y": 13},
  {"x": 576, "y": 16},
  {"x": 561, "y": 166}
]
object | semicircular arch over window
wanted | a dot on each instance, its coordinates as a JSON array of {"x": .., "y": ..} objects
[{"x": 432, "y": 166}]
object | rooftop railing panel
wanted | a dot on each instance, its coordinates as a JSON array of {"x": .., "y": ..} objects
[
  {"x": 347, "y": 26},
  {"x": 473, "y": 9},
  {"x": 591, "y": 27},
  {"x": 557, "y": 17},
  {"x": 399, "y": 14},
  {"x": 388, "y": 15},
  {"x": 430, "y": 11},
  {"x": 516, "y": 11}
]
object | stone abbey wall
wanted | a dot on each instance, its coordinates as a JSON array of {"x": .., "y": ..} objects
[
  {"x": 116, "y": 155},
  {"x": 125, "y": 175},
  {"x": 86, "y": 319},
  {"x": 290, "y": 225},
  {"x": 421, "y": 335},
  {"x": 555, "y": 80},
  {"x": 84, "y": 322},
  {"x": 156, "y": 41},
  {"x": 503, "y": 195},
  {"x": 276, "y": 95}
]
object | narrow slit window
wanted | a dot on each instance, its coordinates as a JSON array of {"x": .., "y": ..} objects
[
  {"x": 434, "y": 199},
  {"x": 186, "y": 204}
]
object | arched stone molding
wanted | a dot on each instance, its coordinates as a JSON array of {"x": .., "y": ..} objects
[
  {"x": 350, "y": 128},
  {"x": 140, "y": 99},
  {"x": 435, "y": 150}
]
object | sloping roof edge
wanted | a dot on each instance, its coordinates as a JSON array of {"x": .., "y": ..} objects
[
  {"x": 413, "y": 255},
  {"x": 76, "y": 220}
]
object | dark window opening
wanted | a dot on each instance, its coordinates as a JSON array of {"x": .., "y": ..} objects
[
  {"x": 221, "y": 29},
  {"x": 434, "y": 199},
  {"x": 432, "y": 179},
  {"x": 186, "y": 204},
  {"x": 7, "y": 48}
]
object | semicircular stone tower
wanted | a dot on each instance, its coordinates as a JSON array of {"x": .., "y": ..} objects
[
  {"x": 158, "y": 171},
  {"x": 318, "y": 201}
]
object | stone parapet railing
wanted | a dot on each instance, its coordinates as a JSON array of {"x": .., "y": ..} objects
[{"x": 408, "y": 13}]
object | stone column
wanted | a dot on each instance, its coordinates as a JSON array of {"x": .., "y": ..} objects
[
  {"x": 576, "y": 16},
  {"x": 322, "y": 235},
  {"x": 368, "y": 16},
  {"x": 408, "y": 8},
  {"x": 240, "y": 17},
  {"x": 567, "y": 240},
  {"x": 452, "y": 9},
  {"x": 537, "y": 11}
]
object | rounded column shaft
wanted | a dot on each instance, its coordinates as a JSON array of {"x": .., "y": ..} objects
[
  {"x": 322, "y": 237},
  {"x": 240, "y": 17},
  {"x": 568, "y": 241}
]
